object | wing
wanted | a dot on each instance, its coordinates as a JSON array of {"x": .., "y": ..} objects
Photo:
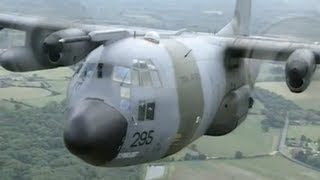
[
  {"x": 301, "y": 57},
  {"x": 28, "y": 23},
  {"x": 263, "y": 48},
  {"x": 49, "y": 44}
]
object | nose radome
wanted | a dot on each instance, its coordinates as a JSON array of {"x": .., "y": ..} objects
[{"x": 95, "y": 132}]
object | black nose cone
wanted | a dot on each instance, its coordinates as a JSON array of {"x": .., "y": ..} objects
[{"x": 95, "y": 132}]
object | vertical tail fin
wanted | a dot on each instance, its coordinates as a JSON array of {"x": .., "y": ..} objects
[{"x": 240, "y": 23}]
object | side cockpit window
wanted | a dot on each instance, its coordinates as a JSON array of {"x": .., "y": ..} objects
[
  {"x": 122, "y": 74},
  {"x": 88, "y": 70}
]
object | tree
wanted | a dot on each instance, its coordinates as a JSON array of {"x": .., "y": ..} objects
[
  {"x": 202, "y": 157},
  {"x": 313, "y": 161},
  {"x": 238, "y": 155},
  {"x": 303, "y": 138},
  {"x": 17, "y": 106},
  {"x": 193, "y": 147},
  {"x": 265, "y": 128},
  {"x": 43, "y": 85},
  {"x": 300, "y": 156},
  {"x": 309, "y": 140},
  {"x": 188, "y": 157}
]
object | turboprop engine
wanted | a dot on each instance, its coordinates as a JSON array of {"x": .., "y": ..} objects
[
  {"x": 300, "y": 68},
  {"x": 45, "y": 50}
]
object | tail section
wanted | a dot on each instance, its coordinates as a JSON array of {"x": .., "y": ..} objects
[{"x": 240, "y": 24}]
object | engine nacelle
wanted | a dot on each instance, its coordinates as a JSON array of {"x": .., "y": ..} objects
[
  {"x": 232, "y": 112},
  {"x": 300, "y": 68},
  {"x": 65, "y": 54},
  {"x": 45, "y": 50}
]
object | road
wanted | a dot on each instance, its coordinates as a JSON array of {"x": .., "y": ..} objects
[{"x": 282, "y": 143}]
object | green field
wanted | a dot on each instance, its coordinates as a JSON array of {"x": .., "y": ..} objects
[
  {"x": 59, "y": 85},
  {"x": 312, "y": 132},
  {"x": 42, "y": 101},
  {"x": 310, "y": 99},
  {"x": 56, "y": 78},
  {"x": 18, "y": 93},
  {"x": 8, "y": 105},
  {"x": 53, "y": 74},
  {"x": 248, "y": 138},
  {"x": 275, "y": 168}
]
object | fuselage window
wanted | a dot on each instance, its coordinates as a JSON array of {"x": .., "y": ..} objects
[{"x": 122, "y": 74}]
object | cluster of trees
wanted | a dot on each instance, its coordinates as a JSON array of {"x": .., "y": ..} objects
[
  {"x": 194, "y": 157},
  {"x": 308, "y": 140},
  {"x": 32, "y": 147},
  {"x": 308, "y": 158},
  {"x": 307, "y": 155},
  {"x": 305, "y": 139},
  {"x": 238, "y": 155},
  {"x": 310, "y": 116},
  {"x": 276, "y": 108}
]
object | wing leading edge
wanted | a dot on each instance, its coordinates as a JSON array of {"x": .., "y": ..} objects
[{"x": 263, "y": 48}]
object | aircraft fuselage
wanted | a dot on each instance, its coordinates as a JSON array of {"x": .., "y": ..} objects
[{"x": 166, "y": 94}]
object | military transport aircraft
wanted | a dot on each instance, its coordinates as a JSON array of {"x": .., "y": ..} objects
[{"x": 142, "y": 94}]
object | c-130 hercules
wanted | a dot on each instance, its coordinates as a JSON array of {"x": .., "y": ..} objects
[{"x": 143, "y": 95}]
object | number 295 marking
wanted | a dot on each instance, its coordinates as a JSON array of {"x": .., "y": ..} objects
[{"x": 142, "y": 138}]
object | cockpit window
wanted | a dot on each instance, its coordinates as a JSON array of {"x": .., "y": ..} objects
[
  {"x": 135, "y": 77},
  {"x": 145, "y": 74},
  {"x": 122, "y": 74},
  {"x": 155, "y": 79},
  {"x": 145, "y": 79},
  {"x": 77, "y": 69}
]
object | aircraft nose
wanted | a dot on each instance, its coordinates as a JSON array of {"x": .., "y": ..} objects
[{"x": 95, "y": 132}]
